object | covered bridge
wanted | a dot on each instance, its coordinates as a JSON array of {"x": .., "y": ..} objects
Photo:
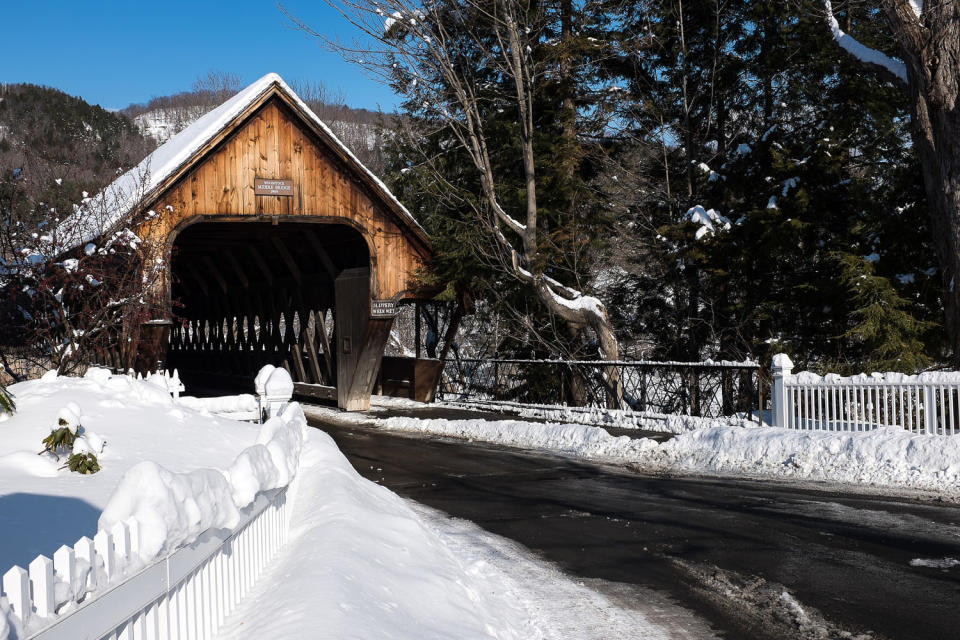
[{"x": 272, "y": 230}]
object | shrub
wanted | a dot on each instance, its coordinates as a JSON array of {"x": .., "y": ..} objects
[
  {"x": 60, "y": 439},
  {"x": 85, "y": 463}
]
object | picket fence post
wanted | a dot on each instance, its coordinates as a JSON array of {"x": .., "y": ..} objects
[
  {"x": 782, "y": 369},
  {"x": 16, "y": 584},
  {"x": 930, "y": 409}
]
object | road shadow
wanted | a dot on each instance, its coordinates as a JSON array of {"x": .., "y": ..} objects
[{"x": 32, "y": 524}]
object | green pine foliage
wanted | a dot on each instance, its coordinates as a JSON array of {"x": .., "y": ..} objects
[
  {"x": 884, "y": 335},
  {"x": 752, "y": 112}
]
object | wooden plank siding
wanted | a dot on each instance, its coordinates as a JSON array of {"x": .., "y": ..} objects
[{"x": 273, "y": 141}]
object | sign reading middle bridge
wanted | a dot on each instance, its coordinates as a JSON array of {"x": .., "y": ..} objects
[{"x": 270, "y": 187}]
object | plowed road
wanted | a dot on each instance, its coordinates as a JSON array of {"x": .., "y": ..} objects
[{"x": 726, "y": 550}]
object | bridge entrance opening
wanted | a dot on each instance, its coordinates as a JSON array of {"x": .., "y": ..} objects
[{"x": 292, "y": 294}]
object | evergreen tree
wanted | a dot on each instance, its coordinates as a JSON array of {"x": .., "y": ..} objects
[
  {"x": 803, "y": 158},
  {"x": 884, "y": 336}
]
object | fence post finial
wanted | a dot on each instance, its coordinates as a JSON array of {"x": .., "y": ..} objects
[{"x": 782, "y": 368}]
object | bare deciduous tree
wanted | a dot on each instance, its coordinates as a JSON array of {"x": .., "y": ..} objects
[
  {"x": 73, "y": 287},
  {"x": 414, "y": 45}
]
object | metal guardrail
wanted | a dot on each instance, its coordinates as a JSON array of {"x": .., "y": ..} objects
[{"x": 707, "y": 389}]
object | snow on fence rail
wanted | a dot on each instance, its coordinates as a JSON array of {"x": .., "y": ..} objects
[
  {"x": 707, "y": 389},
  {"x": 187, "y": 594},
  {"x": 927, "y": 403},
  {"x": 114, "y": 586}
]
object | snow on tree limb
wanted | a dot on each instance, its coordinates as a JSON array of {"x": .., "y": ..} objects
[
  {"x": 863, "y": 53},
  {"x": 917, "y": 6}
]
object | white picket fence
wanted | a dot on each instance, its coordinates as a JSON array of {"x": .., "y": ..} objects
[
  {"x": 100, "y": 589},
  {"x": 185, "y": 595},
  {"x": 925, "y": 404}
]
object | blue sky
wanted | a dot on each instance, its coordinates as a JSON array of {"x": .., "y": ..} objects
[{"x": 115, "y": 53}]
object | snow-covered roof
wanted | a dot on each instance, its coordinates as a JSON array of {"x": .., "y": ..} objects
[{"x": 111, "y": 206}]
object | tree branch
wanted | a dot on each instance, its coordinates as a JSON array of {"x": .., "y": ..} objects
[{"x": 892, "y": 69}]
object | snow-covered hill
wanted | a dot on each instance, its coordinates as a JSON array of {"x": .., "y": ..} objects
[{"x": 163, "y": 123}]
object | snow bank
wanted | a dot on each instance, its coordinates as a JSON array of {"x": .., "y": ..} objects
[
  {"x": 888, "y": 377},
  {"x": 580, "y": 440},
  {"x": 887, "y": 457},
  {"x": 124, "y": 422},
  {"x": 364, "y": 563},
  {"x": 175, "y": 508},
  {"x": 221, "y": 404},
  {"x": 172, "y": 508},
  {"x": 597, "y": 416}
]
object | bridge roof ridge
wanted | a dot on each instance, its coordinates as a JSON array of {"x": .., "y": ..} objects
[{"x": 109, "y": 208}]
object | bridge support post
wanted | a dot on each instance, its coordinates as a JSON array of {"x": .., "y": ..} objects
[{"x": 356, "y": 395}]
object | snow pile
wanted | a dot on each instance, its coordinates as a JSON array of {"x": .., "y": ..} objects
[
  {"x": 602, "y": 417},
  {"x": 274, "y": 382},
  {"x": 935, "y": 563},
  {"x": 364, "y": 563},
  {"x": 888, "y": 377},
  {"x": 174, "y": 508},
  {"x": 220, "y": 404},
  {"x": 278, "y": 384},
  {"x": 124, "y": 422},
  {"x": 709, "y": 220},
  {"x": 885, "y": 456},
  {"x": 580, "y": 440}
]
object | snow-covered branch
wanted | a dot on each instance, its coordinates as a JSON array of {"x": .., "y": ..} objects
[{"x": 864, "y": 53}]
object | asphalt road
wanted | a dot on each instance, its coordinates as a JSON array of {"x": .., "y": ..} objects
[{"x": 723, "y": 549}]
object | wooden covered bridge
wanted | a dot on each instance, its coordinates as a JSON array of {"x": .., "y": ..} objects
[{"x": 273, "y": 231}]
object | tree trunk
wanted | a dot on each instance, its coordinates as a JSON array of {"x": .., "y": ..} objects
[
  {"x": 597, "y": 320},
  {"x": 937, "y": 139},
  {"x": 931, "y": 51}
]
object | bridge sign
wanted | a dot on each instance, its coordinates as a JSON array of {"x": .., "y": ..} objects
[
  {"x": 383, "y": 308},
  {"x": 268, "y": 187}
]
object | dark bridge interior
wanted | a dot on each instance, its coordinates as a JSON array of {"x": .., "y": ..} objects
[{"x": 247, "y": 294}]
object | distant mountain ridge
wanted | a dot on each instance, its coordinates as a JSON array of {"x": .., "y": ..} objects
[
  {"x": 48, "y": 136},
  {"x": 54, "y": 147}
]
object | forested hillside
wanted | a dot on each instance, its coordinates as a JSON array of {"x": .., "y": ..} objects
[{"x": 53, "y": 147}]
